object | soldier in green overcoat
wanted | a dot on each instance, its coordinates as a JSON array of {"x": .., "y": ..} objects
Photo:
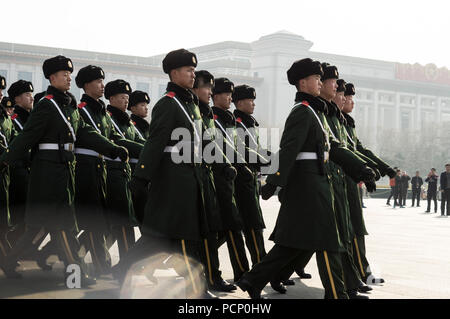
[
  {"x": 307, "y": 220},
  {"x": 215, "y": 164},
  {"x": 118, "y": 196},
  {"x": 7, "y": 133},
  {"x": 52, "y": 129},
  {"x": 225, "y": 123},
  {"x": 138, "y": 106},
  {"x": 91, "y": 173},
  {"x": 21, "y": 95},
  {"x": 247, "y": 189},
  {"x": 168, "y": 173}
]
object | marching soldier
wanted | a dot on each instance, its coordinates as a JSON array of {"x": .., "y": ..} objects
[
  {"x": 138, "y": 105},
  {"x": 335, "y": 121},
  {"x": 8, "y": 105},
  {"x": 91, "y": 174},
  {"x": 356, "y": 213},
  {"x": 7, "y": 133},
  {"x": 21, "y": 95},
  {"x": 118, "y": 196},
  {"x": 304, "y": 176},
  {"x": 212, "y": 169},
  {"x": 52, "y": 129},
  {"x": 225, "y": 123},
  {"x": 175, "y": 219},
  {"x": 247, "y": 189}
]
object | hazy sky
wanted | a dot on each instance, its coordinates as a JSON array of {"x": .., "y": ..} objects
[{"x": 395, "y": 30}]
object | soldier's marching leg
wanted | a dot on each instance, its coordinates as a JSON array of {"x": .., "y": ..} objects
[
  {"x": 42, "y": 255},
  {"x": 331, "y": 274},
  {"x": 15, "y": 233},
  {"x": 4, "y": 244},
  {"x": 236, "y": 251},
  {"x": 254, "y": 241},
  {"x": 192, "y": 269},
  {"x": 268, "y": 269},
  {"x": 359, "y": 253},
  {"x": 125, "y": 238},
  {"x": 95, "y": 243},
  {"x": 69, "y": 247},
  {"x": 352, "y": 279},
  {"x": 298, "y": 265},
  {"x": 210, "y": 260},
  {"x": 29, "y": 242}
]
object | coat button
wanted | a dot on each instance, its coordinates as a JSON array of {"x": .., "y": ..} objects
[
  {"x": 98, "y": 124},
  {"x": 278, "y": 173},
  {"x": 68, "y": 118},
  {"x": 142, "y": 166},
  {"x": 98, "y": 165}
]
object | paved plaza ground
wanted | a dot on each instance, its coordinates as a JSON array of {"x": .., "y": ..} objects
[{"x": 410, "y": 249}]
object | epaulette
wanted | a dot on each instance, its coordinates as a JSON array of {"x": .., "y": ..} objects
[
  {"x": 81, "y": 105},
  {"x": 170, "y": 94}
]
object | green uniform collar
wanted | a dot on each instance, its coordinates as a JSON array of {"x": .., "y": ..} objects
[
  {"x": 95, "y": 105},
  {"x": 120, "y": 116},
  {"x": 223, "y": 116}
]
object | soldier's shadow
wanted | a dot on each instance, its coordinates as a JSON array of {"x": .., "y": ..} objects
[{"x": 300, "y": 290}]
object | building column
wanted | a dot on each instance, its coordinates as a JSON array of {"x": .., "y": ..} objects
[
  {"x": 397, "y": 112},
  {"x": 376, "y": 108}
]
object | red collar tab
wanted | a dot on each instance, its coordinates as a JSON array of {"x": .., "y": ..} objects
[
  {"x": 14, "y": 116},
  {"x": 306, "y": 103},
  {"x": 134, "y": 123},
  {"x": 170, "y": 94},
  {"x": 239, "y": 120},
  {"x": 49, "y": 97},
  {"x": 110, "y": 114},
  {"x": 215, "y": 117},
  {"x": 81, "y": 105}
]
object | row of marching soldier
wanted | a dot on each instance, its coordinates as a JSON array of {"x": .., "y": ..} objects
[{"x": 87, "y": 174}]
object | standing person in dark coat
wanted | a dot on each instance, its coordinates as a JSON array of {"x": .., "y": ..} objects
[
  {"x": 445, "y": 189},
  {"x": 392, "y": 185},
  {"x": 432, "y": 179},
  {"x": 404, "y": 188},
  {"x": 397, "y": 189},
  {"x": 416, "y": 186}
]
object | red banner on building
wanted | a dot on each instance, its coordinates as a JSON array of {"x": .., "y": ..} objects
[{"x": 427, "y": 73}]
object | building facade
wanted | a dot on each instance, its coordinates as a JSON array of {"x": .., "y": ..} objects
[{"x": 391, "y": 97}]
